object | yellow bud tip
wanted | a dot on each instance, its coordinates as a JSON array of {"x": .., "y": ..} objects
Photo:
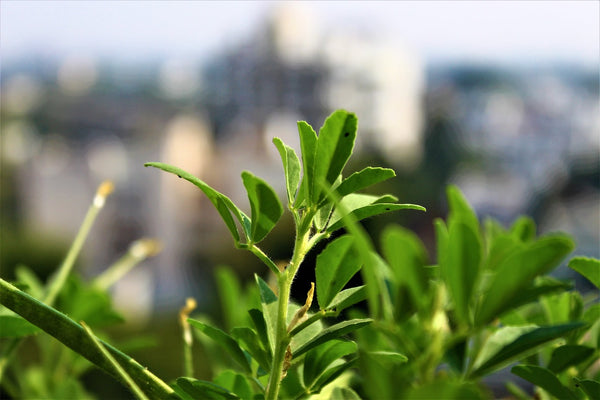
[
  {"x": 143, "y": 248},
  {"x": 190, "y": 305},
  {"x": 105, "y": 188}
]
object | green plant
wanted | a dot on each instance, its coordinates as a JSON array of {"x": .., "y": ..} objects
[{"x": 429, "y": 331}]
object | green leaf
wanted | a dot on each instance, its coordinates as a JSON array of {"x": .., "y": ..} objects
[
  {"x": 291, "y": 168},
  {"x": 523, "y": 229},
  {"x": 320, "y": 358},
  {"x": 229, "y": 294},
  {"x": 460, "y": 209},
  {"x": 222, "y": 203},
  {"x": 28, "y": 277},
  {"x": 461, "y": 269},
  {"x": 268, "y": 301},
  {"x": 370, "y": 211},
  {"x": 334, "y": 147},
  {"x": 13, "y": 326},
  {"x": 363, "y": 179},
  {"x": 332, "y": 332},
  {"x": 348, "y": 297},
  {"x": 344, "y": 393},
  {"x": 72, "y": 335},
  {"x": 588, "y": 267},
  {"x": 513, "y": 343},
  {"x": 204, "y": 390},
  {"x": 332, "y": 373},
  {"x": 545, "y": 379},
  {"x": 517, "y": 271},
  {"x": 226, "y": 341},
  {"x": 265, "y": 205},
  {"x": 568, "y": 355},
  {"x": 388, "y": 357},
  {"x": 248, "y": 339},
  {"x": 588, "y": 386},
  {"x": 236, "y": 383},
  {"x": 542, "y": 286},
  {"x": 335, "y": 266},
  {"x": 407, "y": 258},
  {"x": 308, "y": 146},
  {"x": 260, "y": 324}
]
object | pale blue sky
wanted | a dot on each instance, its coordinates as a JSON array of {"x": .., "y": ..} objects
[{"x": 497, "y": 31}]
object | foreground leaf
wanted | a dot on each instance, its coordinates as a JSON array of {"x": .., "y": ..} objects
[
  {"x": 363, "y": 179},
  {"x": 72, "y": 335},
  {"x": 370, "y": 211},
  {"x": 545, "y": 379},
  {"x": 321, "y": 357},
  {"x": 568, "y": 355},
  {"x": 588, "y": 267}
]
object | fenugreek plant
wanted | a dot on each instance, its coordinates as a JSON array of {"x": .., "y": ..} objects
[
  {"x": 430, "y": 329},
  {"x": 284, "y": 338}
]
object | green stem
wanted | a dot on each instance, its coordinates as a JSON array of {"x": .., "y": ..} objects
[
  {"x": 72, "y": 335},
  {"x": 261, "y": 256},
  {"x": 282, "y": 337}
]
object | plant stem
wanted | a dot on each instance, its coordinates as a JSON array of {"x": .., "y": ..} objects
[{"x": 282, "y": 337}]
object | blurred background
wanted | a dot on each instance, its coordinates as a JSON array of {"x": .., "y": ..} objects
[{"x": 500, "y": 98}]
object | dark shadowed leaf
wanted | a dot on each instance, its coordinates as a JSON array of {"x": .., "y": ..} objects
[
  {"x": 249, "y": 340},
  {"x": 226, "y": 341},
  {"x": 568, "y": 355},
  {"x": 204, "y": 390},
  {"x": 545, "y": 379},
  {"x": 335, "y": 267},
  {"x": 589, "y": 387}
]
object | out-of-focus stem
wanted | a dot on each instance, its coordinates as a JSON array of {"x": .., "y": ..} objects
[
  {"x": 184, "y": 313},
  {"x": 138, "y": 251},
  {"x": 60, "y": 278}
]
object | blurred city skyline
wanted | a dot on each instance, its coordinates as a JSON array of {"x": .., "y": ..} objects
[{"x": 526, "y": 32}]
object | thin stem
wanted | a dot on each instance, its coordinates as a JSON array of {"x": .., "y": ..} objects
[
  {"x": 58, "y": 282},
  {"x": 261, "y": 255},
  {"x": 282, "y": 337},
  {"x": 138, "y": 251}
]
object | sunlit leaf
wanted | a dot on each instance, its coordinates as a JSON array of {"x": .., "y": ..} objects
[
  {"x": 370, "y": 211},
  {"x": 291, "y": 168},
  {"x": 268, "y": 301},
  {"x": 348, "y": 297},
  {"x": 236, "y": 383},
  {"x": 332, "y": 332},
  {"x": 222, "y": 203},
  {"x": 265, "y": 205},
  {"x": 363, "y": 179},
  {"x": 308, "y": 146},
  {"x": 588, "y": 267},
  {"x": 13, "y": 326},
  {"x": 334, "y": 147}
]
